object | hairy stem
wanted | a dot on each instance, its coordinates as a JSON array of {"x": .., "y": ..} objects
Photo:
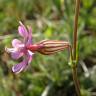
[{"x": 74, "y": 68}]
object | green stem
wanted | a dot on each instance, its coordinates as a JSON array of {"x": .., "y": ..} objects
[{"x": 74, "y": 67}]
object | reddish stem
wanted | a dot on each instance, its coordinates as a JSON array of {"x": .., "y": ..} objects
[{"x": 74, "y": 68}]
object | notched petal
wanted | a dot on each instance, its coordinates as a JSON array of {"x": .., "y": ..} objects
[
  {"x": 19, "y": 67},
  {"x": 22, "y": 30},
  {"x": 16, "y": 43},
  {"x": 16, "y": 55},
  {"x": 10, "y": 50},
  {"x": 29, "y": 40}
]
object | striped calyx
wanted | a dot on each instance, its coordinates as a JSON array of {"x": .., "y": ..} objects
[{"x": 52, "y": 46}]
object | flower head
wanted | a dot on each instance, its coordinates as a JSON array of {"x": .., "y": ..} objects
[
  {"x": 26, "y": 48},
  {"x": 19, "y": 48}
]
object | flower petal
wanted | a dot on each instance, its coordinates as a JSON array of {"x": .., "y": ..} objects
[
  {"x": 16, "y": 43},
  {"x": 22, "y": 30},
  {"x": 29, "y": 30},
  {"x": 29, "y": 56},
  {"x": 30, "y": 53},
  {"x": 29, "y": 41},
  {"x": 19, "y": 67},
  {"x": 16, "y": 55},
  {"x": 11, "y": 50},
  {"x": 29, "y": 59}
]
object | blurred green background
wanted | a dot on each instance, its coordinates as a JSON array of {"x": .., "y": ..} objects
[{"x": 48, "y": 75}]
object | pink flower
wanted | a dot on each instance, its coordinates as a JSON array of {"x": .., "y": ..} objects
[
  {"x": 27, "y": 48},
  {"x": 19, "y": 48}
]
